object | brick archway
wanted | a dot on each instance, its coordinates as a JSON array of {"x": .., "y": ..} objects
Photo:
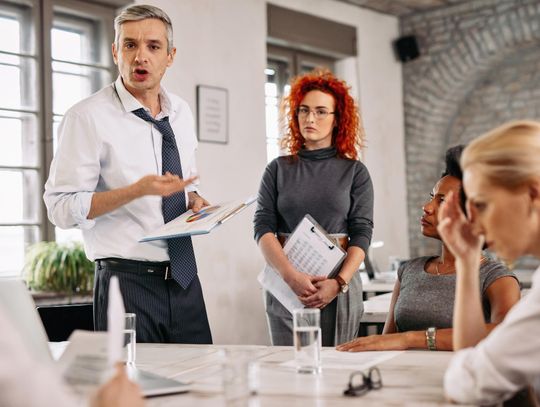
[{"x": 461, "y": 48}]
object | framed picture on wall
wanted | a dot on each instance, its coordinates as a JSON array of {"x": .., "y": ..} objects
[{"x": 212, "y": 114}]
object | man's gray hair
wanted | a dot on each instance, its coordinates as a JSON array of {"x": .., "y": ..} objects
[{"x": 142, "y": 12}]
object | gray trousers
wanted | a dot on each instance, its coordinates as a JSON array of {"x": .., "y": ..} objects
[
  {"x": 280, "y": 322},
  {"x": 340, "y": 320}
]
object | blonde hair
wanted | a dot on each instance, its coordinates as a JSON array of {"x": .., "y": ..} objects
[{"x": 509, "y": 155}]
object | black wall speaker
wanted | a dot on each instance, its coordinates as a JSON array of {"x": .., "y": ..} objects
[{"x": 406, "y": 48}]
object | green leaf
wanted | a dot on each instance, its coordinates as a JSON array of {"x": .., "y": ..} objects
[{"x": 50, "y": 266}]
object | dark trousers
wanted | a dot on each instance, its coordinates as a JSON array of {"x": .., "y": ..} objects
[{"x": 166, "y": 313}]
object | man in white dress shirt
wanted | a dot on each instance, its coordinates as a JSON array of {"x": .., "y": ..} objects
[{"x": 125, "y": 164}]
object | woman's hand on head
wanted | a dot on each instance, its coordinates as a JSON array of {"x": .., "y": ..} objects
[
  {"x": 327, "y": 290},
  {"x": 457, "y": 232}
]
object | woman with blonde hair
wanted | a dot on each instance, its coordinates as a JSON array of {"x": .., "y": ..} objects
[{"x": 501, "y": 177}]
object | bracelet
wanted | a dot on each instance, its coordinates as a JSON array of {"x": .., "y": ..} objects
[{"x": 430, "y": 338}]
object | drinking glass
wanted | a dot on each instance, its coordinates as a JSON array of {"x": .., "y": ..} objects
[
  {"x": 239, "y": 376},
  {"x": 130, "y": 338},
  {"x": 307, "y": 340}
]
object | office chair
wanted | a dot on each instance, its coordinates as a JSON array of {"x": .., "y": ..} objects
[
  {"x": 61, "y": 320},
  {"x": 370, "y": 267}
]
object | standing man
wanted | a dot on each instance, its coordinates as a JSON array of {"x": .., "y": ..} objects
[{"x": 125, "y": 161}]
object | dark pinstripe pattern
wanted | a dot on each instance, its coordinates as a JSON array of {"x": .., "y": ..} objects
[{"x": 166, "y": 313}]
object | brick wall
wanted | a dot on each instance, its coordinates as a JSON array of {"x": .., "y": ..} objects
[{"x": 479, "y": 66}]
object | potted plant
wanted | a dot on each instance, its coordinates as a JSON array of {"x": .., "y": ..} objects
[{"x": 60, "y": 268}]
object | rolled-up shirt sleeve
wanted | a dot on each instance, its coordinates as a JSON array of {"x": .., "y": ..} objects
[
  {"x": 360, "y": 218},
  {"x": 503, "y": 363},
  {"x": 265, "y": 219},
  {"x": 193, "y": 187},
  {"x": 74, "y": 173}
]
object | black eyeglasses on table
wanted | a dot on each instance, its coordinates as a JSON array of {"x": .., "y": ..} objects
[{"x": 360, "y": 383}]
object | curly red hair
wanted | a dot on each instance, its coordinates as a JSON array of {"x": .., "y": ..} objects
[{"x": 348, "y": 135}]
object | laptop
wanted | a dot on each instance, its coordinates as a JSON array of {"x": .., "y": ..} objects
[{"x": 18, "y": 305}]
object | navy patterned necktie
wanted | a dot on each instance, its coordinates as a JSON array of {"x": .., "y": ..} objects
[{"x": 183, "y": 265}]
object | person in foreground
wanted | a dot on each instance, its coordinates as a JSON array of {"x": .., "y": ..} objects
[
  {"x": 420, "y": 314},
  {"x": 26, "y": 383},
  {"x": 502, "y": 182},
  {"x": 321, "y": 177},
  {"x": 125, "y": 165}
]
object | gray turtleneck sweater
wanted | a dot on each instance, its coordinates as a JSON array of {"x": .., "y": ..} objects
[{"x": 336, "y": 192}]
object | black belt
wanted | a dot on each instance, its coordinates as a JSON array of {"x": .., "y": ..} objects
[{"x": 158, "y": 269}]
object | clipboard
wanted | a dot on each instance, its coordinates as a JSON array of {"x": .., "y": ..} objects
[
  {"x": 310, "y": 250},
  {"x": 200, "y": 223}
]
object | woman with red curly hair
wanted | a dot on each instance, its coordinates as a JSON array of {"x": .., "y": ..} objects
[{"x": 321, "y": 177}]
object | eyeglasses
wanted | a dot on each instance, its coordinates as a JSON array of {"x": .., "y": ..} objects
[
  {"x": 371, "y": 381},
  {"x": 320, "y": 114}
]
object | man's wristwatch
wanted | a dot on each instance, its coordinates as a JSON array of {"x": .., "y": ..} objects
[{"x": 343, "y": 285}]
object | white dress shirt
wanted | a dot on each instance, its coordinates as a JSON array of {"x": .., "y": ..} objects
[
  {"x": 103, "y": 146},
  {"x": 23, "y": 381},
  {"x": 505, "y": 361}
]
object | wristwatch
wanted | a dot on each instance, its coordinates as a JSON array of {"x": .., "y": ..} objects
[
  {"x": 343, "y": 285},
  {"x": 430, "y": 338}
]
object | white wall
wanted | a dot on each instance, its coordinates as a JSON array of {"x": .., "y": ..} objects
[
  {"x": 223, "y": 43},
  {"x": 380, "y": 88}
]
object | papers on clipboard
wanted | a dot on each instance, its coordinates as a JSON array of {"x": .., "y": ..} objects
[
  {"x": 311, "y": 251},
  {"x": 199, "y": 223}
]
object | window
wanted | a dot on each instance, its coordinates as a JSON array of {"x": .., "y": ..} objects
[
  {"x": 298, "y": 42},
  {"x": 77, "y": 72},
  {"x": 19, "y": 155},
  {"x": 53, "y": 53},
  {"x": 282, "y": 65}
]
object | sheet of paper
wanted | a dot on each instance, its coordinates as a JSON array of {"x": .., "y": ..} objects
[
  {"x": 84, "y": 363},
  {"x": 115, "y": 322},
  {"x": 272, "y": 282},
  {"x": 333, "y": 359},
  {"x": 199, "y": 223},
  {"x": 310, "y": 251}
]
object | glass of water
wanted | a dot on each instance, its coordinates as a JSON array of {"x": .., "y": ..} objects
[
  {"x": 307, "y": 340},
  {"x": 239, "y": 376},
  {"x": 130, "y": 338}
]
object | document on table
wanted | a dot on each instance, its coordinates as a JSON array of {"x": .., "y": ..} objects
[
  {"x": 115, "y": 322},
  {"x": 90, "y": 356},
  {"x": 200, "y": 223},
  {"x": 311, "y": 251},
  {"x": 84, "y": 364},
  {"x": 333, "y": 359}
]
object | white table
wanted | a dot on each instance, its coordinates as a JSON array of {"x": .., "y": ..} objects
[
  {"x": 376, "y": 287},
  {"x": 411, "y": 378},
  {"x": 524, "y": 277},
  {"x": 375, "y": 313},
  {"x": 376, "y": 309}
]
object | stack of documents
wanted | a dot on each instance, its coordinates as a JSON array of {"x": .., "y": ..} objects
[
  {"x": 200, "y": 223},
  {"x": 311, "y": 251}
]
